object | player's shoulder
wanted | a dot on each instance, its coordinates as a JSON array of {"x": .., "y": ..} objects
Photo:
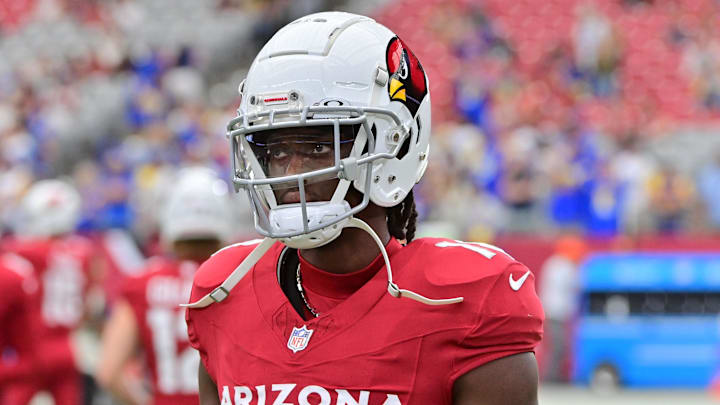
[
  {"x": 219, "y": 266},
  {"x": 493, "y": 284},
  {"x": 448, "y": 261},
  {"x": 35, "y": 250},
  {"x": 16, "y": 271},
  {"x": 154, "y": 265},
  {"x": 25, "y": 247}
]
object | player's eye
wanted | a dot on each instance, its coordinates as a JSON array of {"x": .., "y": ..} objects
[
  {"x": 277, "y": 153},
  {"x": 320, "y": 149}
]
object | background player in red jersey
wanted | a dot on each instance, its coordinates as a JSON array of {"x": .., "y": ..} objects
[
  {"x": 63, "y": 264},
  {"x": 18, "y": 305},
  {"x": 332, "y": 134},
  {"x": 147, "y": 316}
]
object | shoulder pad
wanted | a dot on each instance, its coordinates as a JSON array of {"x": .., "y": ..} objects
[
  {"x": 33, "y": 250},
  {"x": 450, "y": 262},
  {"x": 17, "y": 264},
  {"x": 216, "y": 269},
  {"x": 22, "y": 269}
]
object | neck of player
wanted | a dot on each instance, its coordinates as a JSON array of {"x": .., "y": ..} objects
[{"x": 354, "y": 249}]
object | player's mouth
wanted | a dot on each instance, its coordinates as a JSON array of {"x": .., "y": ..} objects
[
  {"x": 314, "y": 192},
  {"x": 290, "y": 197}
]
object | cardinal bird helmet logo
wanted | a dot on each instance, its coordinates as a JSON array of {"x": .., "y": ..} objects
[{"x": 407, "y": 82}]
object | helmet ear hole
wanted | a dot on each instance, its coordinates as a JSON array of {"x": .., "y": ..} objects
[{"x": 404, "y": 148}]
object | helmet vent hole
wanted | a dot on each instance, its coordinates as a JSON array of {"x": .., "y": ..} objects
[
  {"x": 419, "y": 130},
  {"x": 321, "y": 20}
]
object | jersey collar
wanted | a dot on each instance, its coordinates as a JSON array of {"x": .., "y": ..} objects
[{"x": 341, "y": 286}]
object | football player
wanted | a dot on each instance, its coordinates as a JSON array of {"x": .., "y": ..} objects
[
  {"x": 64, "y": 265},
  {"x": 338, "y": 304},
  {"x": 18, "y": 306},
  {"x": 147, "y": 316}
]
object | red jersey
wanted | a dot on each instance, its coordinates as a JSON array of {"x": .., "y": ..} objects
[
  {"x": 155, "y": 298},
  {"x": 18, "y": 304},
  {"x": 62, "y": 266},
  {"x": 370, "y": 348}
]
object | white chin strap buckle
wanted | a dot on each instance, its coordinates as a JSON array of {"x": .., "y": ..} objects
[{"x": 394, "y": 290}]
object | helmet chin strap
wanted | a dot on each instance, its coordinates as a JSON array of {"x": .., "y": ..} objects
[
  {"x": 223, "y": 291},
  {"x": 394, "y": 289}
]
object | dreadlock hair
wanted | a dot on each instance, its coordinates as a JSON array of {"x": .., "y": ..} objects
[{"x": 401, "y": 219}]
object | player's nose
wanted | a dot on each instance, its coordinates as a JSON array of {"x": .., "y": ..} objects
[{"x": 296, "y": 164}]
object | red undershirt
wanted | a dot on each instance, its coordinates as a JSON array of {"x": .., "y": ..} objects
[{"x": 325, "y": 290}]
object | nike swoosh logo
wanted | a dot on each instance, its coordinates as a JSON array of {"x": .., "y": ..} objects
[{"x": 516, "y": 284}]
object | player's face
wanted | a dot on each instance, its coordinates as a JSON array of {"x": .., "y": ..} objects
[{"x": 291, "y": 151}]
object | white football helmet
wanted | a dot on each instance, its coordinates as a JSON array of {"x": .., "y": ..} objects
[
  {"x": 355, "y": 77},
  {"x": 49, "y": 208},
  {"x": 198, "y": 208},
  {"x": 345, "y": 72}
]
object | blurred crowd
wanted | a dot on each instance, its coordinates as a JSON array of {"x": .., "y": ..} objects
[
  {"x": 592, "y": 117},
  {"x": 566, "y": 116},
  {"x": 114, "y": 96}
]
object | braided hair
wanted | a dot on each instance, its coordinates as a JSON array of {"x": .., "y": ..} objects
[{"x": 401, "y": 219}]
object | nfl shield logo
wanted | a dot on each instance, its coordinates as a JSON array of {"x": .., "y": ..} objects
[{"x": 299, "y": 338}]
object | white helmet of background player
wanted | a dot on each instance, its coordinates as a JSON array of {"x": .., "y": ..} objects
[
  {"x": 197, "y": 208},
  {"x": 333, "y": 69},
  {"x": 49, "y": 208}
]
